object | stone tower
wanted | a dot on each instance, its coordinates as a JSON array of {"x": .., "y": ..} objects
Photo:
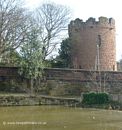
[{"x": 93, "y": 44}]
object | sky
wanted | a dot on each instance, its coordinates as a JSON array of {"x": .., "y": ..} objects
[{"x": 84, "y": 9}]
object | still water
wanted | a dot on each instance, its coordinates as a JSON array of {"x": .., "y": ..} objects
[{"x": 58, "y": 118}]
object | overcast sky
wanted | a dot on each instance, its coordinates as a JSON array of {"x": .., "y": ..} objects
[{"x": 84, "y": 9}]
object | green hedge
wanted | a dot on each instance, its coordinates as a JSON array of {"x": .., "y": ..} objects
[{"x": 95, "y": 98}]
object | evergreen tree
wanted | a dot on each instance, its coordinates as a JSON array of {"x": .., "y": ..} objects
[
  {"x": 31, "y": 64},
  {"x": 63, "y": 60}
]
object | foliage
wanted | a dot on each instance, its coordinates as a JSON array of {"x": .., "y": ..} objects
[
  {"x": 13, "y": 25},
  {"x": 11, "y": 59},
  {"x": 64, "y": 58},
  {"x": 31, "y": 56},
  {"x": 26, "y": 40},
  {"x": 31, "y": 63},
  {"x": 95, "y": 98},
  {"x": 120, "y": 65},
  {"x": 52, "y": 19}
]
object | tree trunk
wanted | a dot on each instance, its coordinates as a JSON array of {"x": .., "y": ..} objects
[{"x": 31, "y": 86}]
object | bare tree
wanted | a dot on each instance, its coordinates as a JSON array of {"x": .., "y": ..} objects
[
  {"x": 53, "y": 19},
  {"x": 13, "y": 25}
]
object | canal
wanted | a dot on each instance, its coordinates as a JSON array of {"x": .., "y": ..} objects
[{"x": 58, "y": 118}]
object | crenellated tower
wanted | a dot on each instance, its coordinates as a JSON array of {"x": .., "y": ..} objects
[{"x": 93, "y": 44}]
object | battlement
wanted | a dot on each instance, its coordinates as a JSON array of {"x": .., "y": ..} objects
[
  {"x": 102, "y": 21},
  {"x": 85, "y": 37}
]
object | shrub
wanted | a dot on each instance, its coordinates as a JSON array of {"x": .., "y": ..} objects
[{"x": 95, "y": 98}]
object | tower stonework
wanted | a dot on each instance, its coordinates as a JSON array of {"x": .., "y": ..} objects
[{"x": 93, "y": 44}]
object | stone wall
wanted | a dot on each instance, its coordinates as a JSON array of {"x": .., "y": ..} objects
[
  {"x": 85, "y": 81},
  {"x": 81, "y": 75},
  {"x": 87, "y": 38},
  {"x": 64, "y": 82},
  {"x": 19, "y": 100},
  {"x": 68, "y": 81},
  {"x": 116, "y": 97},
  {"x": 9, "y": 71},
  {"x": 31, "y": 100}
]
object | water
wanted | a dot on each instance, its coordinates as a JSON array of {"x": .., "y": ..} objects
[{"x": 58, "y": 118}]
